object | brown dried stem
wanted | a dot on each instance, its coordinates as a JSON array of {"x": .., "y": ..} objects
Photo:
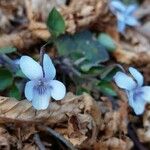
[
  {"x": 58, "y": 136},
  {"x": 39, "y": 142}
]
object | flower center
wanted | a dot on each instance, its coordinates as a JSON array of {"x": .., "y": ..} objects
[
  {"x": 137, "y": 93},
  {"x": 41, "y": 86}
]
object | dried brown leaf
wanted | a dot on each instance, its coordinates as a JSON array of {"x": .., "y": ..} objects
[
  {"x": 12, "y": 110},
  {"x": 80, "y": 112},
  {"x": 83, "y": 122}
]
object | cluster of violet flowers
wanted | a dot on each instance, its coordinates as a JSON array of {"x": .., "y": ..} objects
[
  {"x": 124, "y": 14},
  {"x": 42, "y": 85}
]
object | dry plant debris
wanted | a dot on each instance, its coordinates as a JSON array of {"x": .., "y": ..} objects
[
  {"x": 77, "y": 118},
  {"x": 77, "y": 15}
]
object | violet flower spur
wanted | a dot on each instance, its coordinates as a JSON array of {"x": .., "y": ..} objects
[
  {"x": 42, "y": 85},
  {"x": 124, "y": 14},
  {"x": 138, "y": 95}
]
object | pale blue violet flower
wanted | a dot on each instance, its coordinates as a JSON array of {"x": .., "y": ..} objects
[
  {"x": 42, "y": 85},
  {"x": 125, "y": 14},
  {"x": 138, "y": 95}
]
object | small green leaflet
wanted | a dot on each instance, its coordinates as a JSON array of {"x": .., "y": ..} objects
[
  {"x": 55, "y": 23},
  {"x": 107, "y": 42}
]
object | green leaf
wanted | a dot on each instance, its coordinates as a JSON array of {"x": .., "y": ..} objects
[
  {"x": 88, "y": 69},
  {"x": 107, "y": 42},
  {"x": 106, "y": 88},
  {"x": 55, "y": 23},
  {"x": 84, "y": 45},
  {"x": 109, "y": 72},
  {"x": 6, "y": 79},
  {"x": 7, "y": 50},
  {"x": 81, "y": 90},
  {"x": 14, "y": 92}
]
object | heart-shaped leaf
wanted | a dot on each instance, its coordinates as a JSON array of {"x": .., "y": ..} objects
[
  {"x": 84, "y": 45},
  {"x": 55, "y": 23}
]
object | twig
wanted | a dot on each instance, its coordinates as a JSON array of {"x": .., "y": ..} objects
[
  {"x": 38, "y": 142},
  {"x": 58, "y": 136},
  {"x": 135, "y": 139}
]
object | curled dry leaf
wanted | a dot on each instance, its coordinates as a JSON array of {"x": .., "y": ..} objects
[
  {"x": 81, "y": 123},
  {"x": 78, "y": 127}
]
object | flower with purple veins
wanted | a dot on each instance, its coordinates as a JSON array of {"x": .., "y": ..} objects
[
  {"x": 42, "y": 85},
  {"x": 138, "y": 95},
  {"x": 124, "y": 14}
]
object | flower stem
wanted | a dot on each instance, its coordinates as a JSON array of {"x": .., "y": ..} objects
[{"x": 42, "y": 52}]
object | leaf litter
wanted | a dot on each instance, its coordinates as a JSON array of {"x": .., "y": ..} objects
[{"x": 79, "y": 119}]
